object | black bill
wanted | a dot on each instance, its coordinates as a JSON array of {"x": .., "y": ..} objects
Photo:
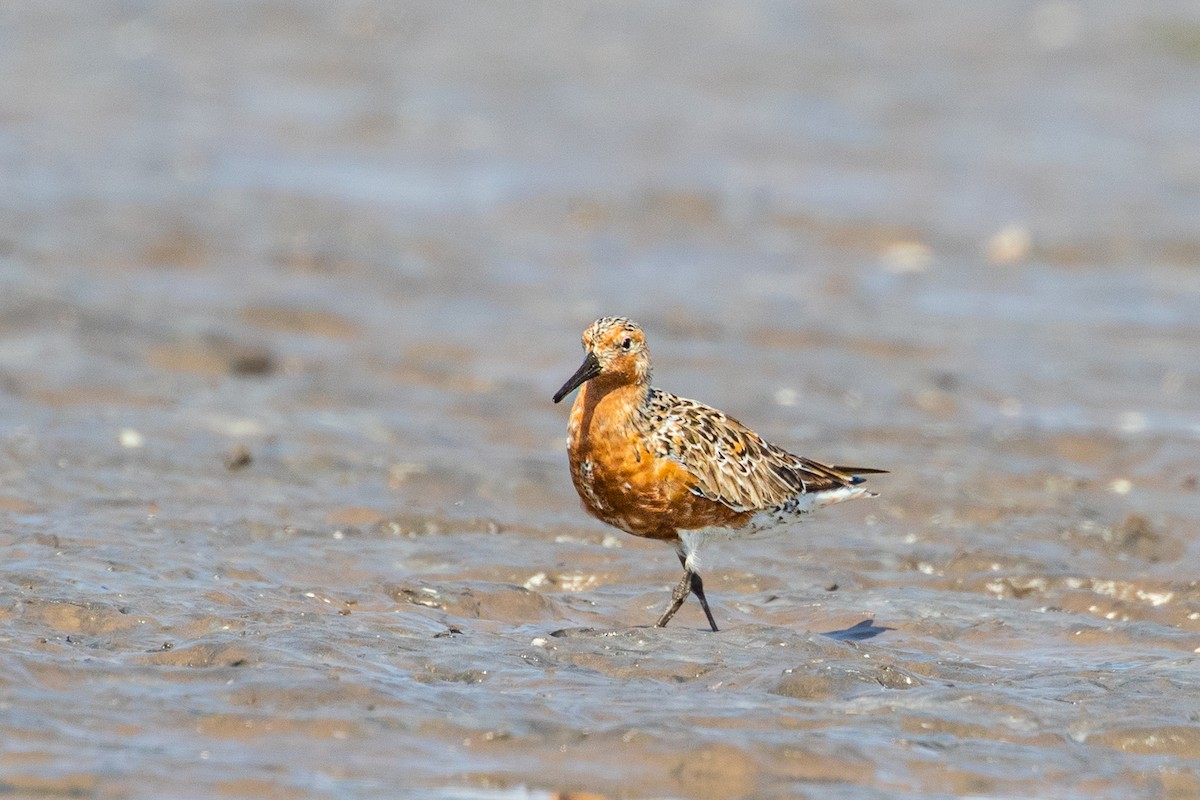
[{"x": 589, "y": 369}]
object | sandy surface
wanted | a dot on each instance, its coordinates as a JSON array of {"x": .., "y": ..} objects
[{"x": 285, "y": 288}]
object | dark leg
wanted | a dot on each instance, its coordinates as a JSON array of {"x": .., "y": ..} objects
[
  {"x": 690, "y": 582},
  {"x": 678, "y": 595},
  {"x": 698, "y": 590}
]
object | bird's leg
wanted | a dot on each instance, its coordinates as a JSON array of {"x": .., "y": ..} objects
[
  {"x": 678, "y": 595},
  {"x": 698, "y": 590},
  {"x": 690, "y": 582}
]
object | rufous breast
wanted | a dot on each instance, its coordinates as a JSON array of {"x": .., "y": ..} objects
[{"x": 622, "y": 482}]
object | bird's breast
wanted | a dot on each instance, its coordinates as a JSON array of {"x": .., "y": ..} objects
[{"x": 621, "y": 481}]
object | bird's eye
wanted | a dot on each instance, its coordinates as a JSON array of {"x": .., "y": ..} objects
[{"x": 628, "y": 343}]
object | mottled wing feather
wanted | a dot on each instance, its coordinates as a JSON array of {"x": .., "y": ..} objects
[{"x": 731, "y": 463}]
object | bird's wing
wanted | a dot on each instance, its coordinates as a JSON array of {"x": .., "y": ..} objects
[{"x": 731, "y": 463}]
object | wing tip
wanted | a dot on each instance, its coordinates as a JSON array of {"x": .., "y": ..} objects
[{"x": 856, "y": 473}]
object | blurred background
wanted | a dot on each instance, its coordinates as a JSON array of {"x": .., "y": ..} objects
[{"x": 286, "y": 286}]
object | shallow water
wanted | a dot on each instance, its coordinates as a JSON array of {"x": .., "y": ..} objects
[{"x": 287, "y": 288}]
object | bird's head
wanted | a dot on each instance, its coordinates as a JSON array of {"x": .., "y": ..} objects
[{"x": 616, "y": 352}]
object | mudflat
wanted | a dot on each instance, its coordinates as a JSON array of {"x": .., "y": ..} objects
[{"x": 285, "y": 289}]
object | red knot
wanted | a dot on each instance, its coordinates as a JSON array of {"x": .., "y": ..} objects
[{"x": 664, "y": 467}]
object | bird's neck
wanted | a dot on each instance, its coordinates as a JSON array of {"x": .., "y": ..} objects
[{"x": 622, "y": 402}]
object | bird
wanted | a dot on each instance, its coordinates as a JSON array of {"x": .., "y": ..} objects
[{"x": 663, "y": 467}]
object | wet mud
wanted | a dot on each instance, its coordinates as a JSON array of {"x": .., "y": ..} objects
[{"x": 286, "y": 288}]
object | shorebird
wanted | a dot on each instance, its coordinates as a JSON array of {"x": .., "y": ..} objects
[{"x": 663, "y": 467}]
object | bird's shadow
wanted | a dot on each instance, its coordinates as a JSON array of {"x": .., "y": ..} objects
[{"x": 867, "y": 629}]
